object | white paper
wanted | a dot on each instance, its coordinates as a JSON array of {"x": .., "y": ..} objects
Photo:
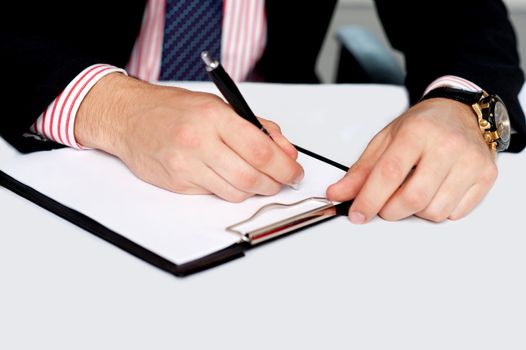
[{"x": 178, "y": 227}]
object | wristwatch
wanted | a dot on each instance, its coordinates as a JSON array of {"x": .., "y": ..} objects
[{"x": 492, "y": 115}]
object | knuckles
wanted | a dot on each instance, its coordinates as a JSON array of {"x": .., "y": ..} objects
[
  {"x": 252, "y": 182},
  {"x": 391, "y": 169},
  {"x": 490, "y": 174},
  {"x": 210, "y": 110},
  {"x": 415, "y": 199},
  {"x": 261, "y": 154},
  {"x": 246, "y": 180}
]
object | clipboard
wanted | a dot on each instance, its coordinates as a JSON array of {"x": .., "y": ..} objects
[{"x": 306, "y": 213}]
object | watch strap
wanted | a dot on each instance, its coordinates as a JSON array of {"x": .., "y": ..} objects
[{"x": 464, "y": 96}]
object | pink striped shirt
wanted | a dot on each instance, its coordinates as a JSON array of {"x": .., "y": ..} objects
[
  {"x": 242, "y": 43},
  {"x": 57, "y": 121},
  {"x": 454, "y": 82}
]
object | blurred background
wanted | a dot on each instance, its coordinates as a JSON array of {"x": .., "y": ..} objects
[{"x": 362, "y": 13}]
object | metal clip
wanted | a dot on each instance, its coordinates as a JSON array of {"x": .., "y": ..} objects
[{"x": 253, "y": 236}]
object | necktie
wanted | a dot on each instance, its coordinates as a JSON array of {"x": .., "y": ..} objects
[{"x": 191, "y": 26}]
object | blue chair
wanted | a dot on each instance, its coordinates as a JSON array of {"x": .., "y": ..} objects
[{"x": 364, "y": 59}]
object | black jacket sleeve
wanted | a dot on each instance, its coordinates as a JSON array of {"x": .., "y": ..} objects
[
  {"x": 473, "y": 39},
  {"x": 295, "y": 33},
  {"x": 44, "y": 45}
]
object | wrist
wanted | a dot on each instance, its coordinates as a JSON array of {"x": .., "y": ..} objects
[
  {"x": 489, "y": 110},
  {"x": 450, "y": 107},
  {"x": 102, "y": 118}
]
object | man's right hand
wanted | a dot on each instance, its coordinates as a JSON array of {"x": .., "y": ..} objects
[{"x": 183, "y": 141}]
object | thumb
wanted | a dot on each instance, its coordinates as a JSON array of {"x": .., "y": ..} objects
[{"x": 350, "y": 185}]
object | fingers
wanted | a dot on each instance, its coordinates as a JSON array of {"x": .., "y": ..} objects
[
  {"x": 231, "y": 167},
  {"x": 386, "y": 176},
  {"x": 210, "y": 181},
  {"x": 420, "y": 187},
  {"x": 470, "y": 200},
  {"x": 454, "y": 187},
  {"x": 222, "y": 173},
  {"x": 487, "y": 179},
  {"x": 275, "y": 132},
  {"x": 261, "y": 152},
  {"x": 194, "y": 143},
  {"x": 195, "y": 178},
  {"x": 347, "y": 188},
  {"x": 466, "y": 184},
  {"x": 453, "y": 169}
]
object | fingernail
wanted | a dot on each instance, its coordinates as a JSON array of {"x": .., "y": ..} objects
[
  {"x": 298, "y": 179},
  {"x": 295, "y": 186},
  {"x": 357, "y": 217}
]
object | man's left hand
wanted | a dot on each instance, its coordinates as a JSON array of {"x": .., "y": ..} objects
[{"x": 431, "y": 162}]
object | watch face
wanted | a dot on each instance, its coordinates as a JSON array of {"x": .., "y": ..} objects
[{"x": 502, "y": 122}]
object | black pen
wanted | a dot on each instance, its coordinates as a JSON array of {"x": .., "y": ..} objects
[
  {"x": 229, "y": 90},
  {"x": 231, "y": 93}
]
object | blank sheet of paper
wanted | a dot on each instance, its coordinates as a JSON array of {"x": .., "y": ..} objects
[{"x": 180, "y": 228}]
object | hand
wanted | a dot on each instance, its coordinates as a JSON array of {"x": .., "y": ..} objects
[
  {"x": 430, "y": 162},
  {"x": 186, "y": 142}
]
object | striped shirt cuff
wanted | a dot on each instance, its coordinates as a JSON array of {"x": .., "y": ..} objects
[
  {"x": 57, "y": 122},
  {"x": 454, "y": 82}
]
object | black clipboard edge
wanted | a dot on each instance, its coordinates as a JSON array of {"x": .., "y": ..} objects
[{"x": 85, "y": 222}]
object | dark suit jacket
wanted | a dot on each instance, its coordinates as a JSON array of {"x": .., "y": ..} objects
[{"x": 52, "y": 42}]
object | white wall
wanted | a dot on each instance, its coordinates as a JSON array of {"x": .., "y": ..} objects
[{"x": 362, "y": 12}]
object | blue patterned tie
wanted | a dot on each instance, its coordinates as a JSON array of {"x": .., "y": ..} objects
[{"x": 191, "y": 26}]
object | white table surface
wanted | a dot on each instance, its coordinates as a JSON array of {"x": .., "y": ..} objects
[{"x": 457, "y": 285}]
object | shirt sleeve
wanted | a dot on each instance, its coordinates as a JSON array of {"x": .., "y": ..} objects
[
  {"x": 453, "y": 82},
  {"x": 57, "y": 121}
]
